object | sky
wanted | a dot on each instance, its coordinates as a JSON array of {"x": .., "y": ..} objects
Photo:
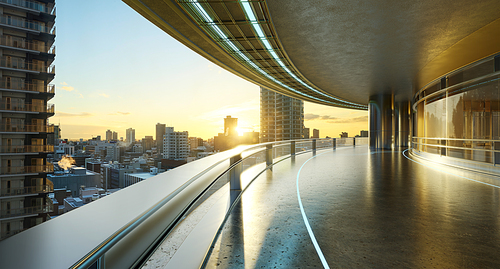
[{"x": 116, "y": 70}]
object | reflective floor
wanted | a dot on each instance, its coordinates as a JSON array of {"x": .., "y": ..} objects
[{"x": 366, "y": 210}]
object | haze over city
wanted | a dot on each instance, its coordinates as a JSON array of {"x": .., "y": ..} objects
[{"x": 137, "y": 80}]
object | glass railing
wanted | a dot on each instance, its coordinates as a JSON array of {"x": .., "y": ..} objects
[
  {"x": 9, "y": 170},
  {"x": 26, "y": 149},
  {"x": 27, "y": 24},
  {"x": 27, "y": 107},
  {"x": 16, "y": 212},
  {"x": 5, "y": 127},
  {"x": 28, "y": 45},
  {"x": 22, "y": 86},
  {"x": 34, "y": 5},
  {"x": 126, "y": 233},
  {"x": 481, "y": 150},
  {"x": 27, "y": 190},
  {"x": 20, "y": 63}
]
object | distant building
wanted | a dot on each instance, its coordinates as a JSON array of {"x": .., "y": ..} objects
[
  {"x": 130, "y": 136},
  {"x": 115, "y": 136},
  {"x": 112, "y": 152},
  {"x": 109, "y": 135},
  {"x": 363, "y": 133},
  {"x": 147, "y": 143},
  {"x": 74, "y": 179},
  {"x": 315, "y": 133},
  {"x": 306, "y": 133},
  {"x": 195, "y": 142},
  {"x": 281, "y": 117},
  {"x": 344, "y": 135},
  {"x": 130, "y": 179},
  {"x": 160, "y": 132},
  {"x": 175, "y": 144},
  {"x": 230, "y": 139}
]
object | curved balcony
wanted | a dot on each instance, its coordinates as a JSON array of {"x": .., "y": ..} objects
[
  {"x": 21, "y": 64},
  {"x": 32, "y": 5},
  {"x": 31, "y": 87},
  {"x": 27, "y": 107},
  {"x": 20, "y": 43},
  {"x": 27, "y": 24},
  {"x": 27, "y": 149},
  {"x": 26, "y": 128},
  {"x": 32, "y": 210},
  {"x": 28, "y": 190},
  {"x": 15, "y": 170}
]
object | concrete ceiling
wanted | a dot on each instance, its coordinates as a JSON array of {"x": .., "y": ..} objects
[{"x": 354, "y": 49}]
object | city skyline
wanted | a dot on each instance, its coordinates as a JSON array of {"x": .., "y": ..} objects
[{"x": 97, "y": 86}]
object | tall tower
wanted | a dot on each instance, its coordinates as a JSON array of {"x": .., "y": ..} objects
[
  {"x": 281, "y": 117},
  {"x": 230, "y": 125},
  {"x": 130, "y": 136},
  {"x": 27, "y": 36},
  {"x": 160, "y": 132}
]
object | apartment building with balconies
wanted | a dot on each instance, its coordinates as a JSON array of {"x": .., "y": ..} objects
[
  {"x": 281, "y": 117},
  {"x": 27, "y": 52}
]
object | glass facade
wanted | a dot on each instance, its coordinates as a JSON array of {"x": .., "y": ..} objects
[{"x": 462, "y": 119}]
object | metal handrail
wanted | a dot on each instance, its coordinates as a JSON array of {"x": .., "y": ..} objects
[
  {"x": 123, "y": 237},
  {"x": 13, "y": 106},
  {"x": 27, "y": 24},
  {"x": 27, "y": 190},
  {"x": 10, "y": 170},
  {"x": 21, "y": 43},
  {"x": 455, "y": 147},
  {"x": 26, "y": 148},
  {"x": 19, "y": 127},
  {"x": 41, "y": 7},
  {"x": 457, "y": 139},
  {"x": 23, "y": 86}
]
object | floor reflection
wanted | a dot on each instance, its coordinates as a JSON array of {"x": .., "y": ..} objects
[{"x": 367, "y": 209}]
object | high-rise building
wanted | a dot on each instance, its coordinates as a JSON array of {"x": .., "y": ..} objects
[
  {"x": 306, "y": 133},
  {"x": 160, "y": 132},
  {"x": 147, "y": 142},
  {"x": 315, "y": 133},
  {"x": 230, "y": 125},
  {"x": 175, "y": 144},
  {"x": 130, "y": 136},
  {"x": 109, "y": 135},
  {"x": 27, "y": 36},
  {"x": 115, "y": 136},
  {"x": 281, "y": 117}
]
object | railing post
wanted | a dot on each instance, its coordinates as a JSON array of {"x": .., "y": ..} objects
[
  {"x": 292, "y": 148},
  {"x": 235, "y": 178},
  {"x": 314, "y": 145},
  {"x": 354, "y": 141},
  {"x": 334, "y": 143},
  {"x": 100, "y": 263},
  {"x": 269, "y": 155}
]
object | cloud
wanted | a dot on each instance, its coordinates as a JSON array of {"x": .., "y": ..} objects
[
  {"x": 66, "y": 115},
  {"x": 330, "y": 119},
  {"x": 310, "y": 116},
  {"x": 104, "y": 95},
  {"x": 67, "y": 88},
  {"x": 64, "y": 83},
  {"x": 119, "y": 113},
  {"x": 230, "y": 110}
]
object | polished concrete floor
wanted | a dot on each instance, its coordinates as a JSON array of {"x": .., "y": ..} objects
[{"x": 366, "y": 210}]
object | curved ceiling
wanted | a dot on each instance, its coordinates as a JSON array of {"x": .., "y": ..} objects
[{"x": 336, "y": 53}]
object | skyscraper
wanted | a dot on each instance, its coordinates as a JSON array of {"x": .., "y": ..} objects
[
  {"x": 27, "y": 35},
  {"x": 130, "y": 136},
  {"x": 160, "y": 132},
  {"x": 230, "y": 125},
  {"x": 281, "y": 117},
  {"x": 109, "y": 135}
]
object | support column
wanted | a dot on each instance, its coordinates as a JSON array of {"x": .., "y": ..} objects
[
  {"x": 380, "y": 111},
  {"x": 403, "y": 124}
]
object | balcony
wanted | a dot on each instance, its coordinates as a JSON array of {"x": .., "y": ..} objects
[
  {"x": 27, "y": 107},
  {"x": 27, "y": 24},
  {"x": 19, "y": 212},
  {"x": 26, "y": 149},
  {"x": 22, "y": 86},
  {"x": 28, "y": 190},
  {"x": 15, "y": 170},
  {"x": 252, "y": 206},
  {"x": 21, "y": 43},
  {"x": 21, "y": 64},
  {"x": 32, "y": 5},
  {"x": 26, "y": 128}
]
